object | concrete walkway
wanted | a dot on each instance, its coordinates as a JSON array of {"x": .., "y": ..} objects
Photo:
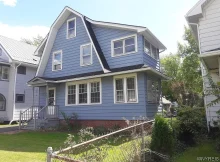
[{"x": 9, "y": 129}]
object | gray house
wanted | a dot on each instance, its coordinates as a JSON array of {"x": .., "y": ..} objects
[
  {"x": 17, "y": 66},
  {"x": 204, "y": 21},
  {"x": 101, "y": 71}
]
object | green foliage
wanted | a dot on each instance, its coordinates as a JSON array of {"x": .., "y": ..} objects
[
  {"x": 190, "y": 125},
  {"x": 71, "y": 121},
  {"x": 185, "y": 85},
  {"x": 162, "y": 136},
  {"x": 100, "y": 130},
  {"x": 36, "y": 41}
]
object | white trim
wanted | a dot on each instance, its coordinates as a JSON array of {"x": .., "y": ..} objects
[
  {"x": 123, "y": 45},
  {"x": 36, "y": 52},
  {"x": 67, "y": 28},
  {"x": 81, "y": 55},
  {"x": 124, "y": 77},
  {"x": 88, "y": 82},
  {"x": 61, "y": 66},
  {"x": 52, "y": 88},
  {"x": 210, "y": 54}
]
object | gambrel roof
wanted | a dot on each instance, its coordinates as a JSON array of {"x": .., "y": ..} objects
[
  {"x": 46, "y": 45},
  {"x": 19, "y": 51}
]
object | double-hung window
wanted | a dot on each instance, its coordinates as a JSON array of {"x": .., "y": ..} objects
[
  {"x": 151, "y": 50},
  {"x": 57, "y": 61},
  {"x": 147, "y": 47},
  {"x": 4, "y": 72},
  {"x": 86, "y": 54},
  {"x": 125, "y": 89},
  {"x": 124, "y": 46},
  {"x": 71, "y": 28},
  {"x": 88, "y": 92}
]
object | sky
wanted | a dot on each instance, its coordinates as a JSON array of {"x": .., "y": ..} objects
[{"x": 29, "y": 18}]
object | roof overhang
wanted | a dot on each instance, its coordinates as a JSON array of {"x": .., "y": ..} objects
[
  {"x": 211, "y": 59},
  {"x": 39, "y": 81}
]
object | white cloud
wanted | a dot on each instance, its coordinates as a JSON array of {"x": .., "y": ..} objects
[
  {"x": 11, "y": 3},
  {"x": 18, "y": 32}
]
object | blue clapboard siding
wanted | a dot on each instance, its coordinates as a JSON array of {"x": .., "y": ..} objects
[
  {"x": 107, "y": 110},
  {"x": 42, "y": 96},
  {"x": 148, "y": 60},
  {"x": 105, "y": 35},
  {"x": 71, "y": 52}
]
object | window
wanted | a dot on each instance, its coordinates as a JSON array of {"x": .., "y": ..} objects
[
  {"x": 86, "y": 55},
  {"x": 71, "y": 94},
  {"x": 151, "y": 50},
  {"x": 88, "y": 92},
  {"x": 124, "y": 46},
  {"x": 71, "y": 28},
  {"x": 119, "y": 90},
  {"x": 2, "y": 103},
  {"x": 57, "y": 61},
  {"x": 21, "y": 70},
  {"x": 51, "y": 96},
  {"x": 153, "y": 95},
  {"x": 82, "y": 93},
  {"x": 126, "y": 89},
  {"x": 4, "y": 72},
  {"x": 20, "y": 98}
]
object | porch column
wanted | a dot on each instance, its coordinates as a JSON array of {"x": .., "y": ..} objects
[{"x": 47, "y": 96}]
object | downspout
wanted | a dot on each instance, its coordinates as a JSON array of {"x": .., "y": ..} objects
[
  {"x": 197, "y": 26},
  {"x": 14, "y": 90}
]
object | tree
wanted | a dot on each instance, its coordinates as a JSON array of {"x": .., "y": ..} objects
[
  {"x": 185, "y": 85},
  {"x": 35, "y": 40}
]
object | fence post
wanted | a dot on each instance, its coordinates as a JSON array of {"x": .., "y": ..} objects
[
  {"x": 49, "y": 154},
  {"x": 142, "y": 143},
  {"x": 20, "y": 121},
  {"x": 34, "y": 120}
]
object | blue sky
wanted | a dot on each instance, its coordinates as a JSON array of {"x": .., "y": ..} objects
[{"x": 28, "y": 18}]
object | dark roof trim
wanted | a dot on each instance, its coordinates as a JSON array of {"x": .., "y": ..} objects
[{"x": 96, "y": 44}]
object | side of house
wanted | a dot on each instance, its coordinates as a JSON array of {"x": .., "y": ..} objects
[
  {"x": 203, "y": 20},
  {"x": 17, "y": 67}
]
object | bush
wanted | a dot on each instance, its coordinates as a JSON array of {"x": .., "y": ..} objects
[
  {"x": 190, "y": 125},
  {"x": 100, "y": 130},
  {"x": 162, "y": 137}
]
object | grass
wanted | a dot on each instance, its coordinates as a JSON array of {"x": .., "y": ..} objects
[
  {"x": 29, "y": 146},
  {"x": 205, "y": 149}
]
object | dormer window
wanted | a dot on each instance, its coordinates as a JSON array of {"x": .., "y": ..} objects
[
  {"x": 57, "y": 61},
  {"x": 71, "y": 28},
  {"x": 124, "y": 45}
]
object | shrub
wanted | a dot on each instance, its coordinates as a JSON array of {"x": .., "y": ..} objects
[
  {"x": 100, "y": 130},
  {"x": 190, "y": 125},
  {"x": 162, "y": 137},
  {"x": 71, "y": 121}
]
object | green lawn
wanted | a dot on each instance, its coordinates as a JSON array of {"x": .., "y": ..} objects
[
  {"x": 28, "y": 146},
  {"x": 204, "y": 150}
]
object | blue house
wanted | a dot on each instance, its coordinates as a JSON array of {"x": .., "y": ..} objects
[{"x": 101, "y": 71}]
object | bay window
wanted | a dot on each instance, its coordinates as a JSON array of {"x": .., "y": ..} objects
[{"x": 125, "y": 89}]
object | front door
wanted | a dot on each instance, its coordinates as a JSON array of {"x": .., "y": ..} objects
[{"x": 51, "y": 96}]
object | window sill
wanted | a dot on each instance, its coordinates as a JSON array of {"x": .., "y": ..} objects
[
  {"x": 126, "y": 102},
  {"x": 83, "y": 104},
  {"x": 83, "y": 65},
  {"x": 70, "y": 37},
  {"x": 124, "y": 54},
  {"x": 5, "y": 80},
  {"x": 56, "y": 70}
]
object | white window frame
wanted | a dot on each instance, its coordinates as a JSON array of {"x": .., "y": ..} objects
[
  {"x": 61, "y": 66},
  {"x": 123, "y": 45},
  {"x": 124, "y": 77},
  {"x": 52, "y": 88},
  {"x": 67, "y": 28},
  {"x": 88, "y": 82},
  {"x": 151, "y": 53},
  {"x": 81, "y": 55},
  {"x": 2, "y": 72}
]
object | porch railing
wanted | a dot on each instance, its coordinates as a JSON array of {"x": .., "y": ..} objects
[{"x": 37, "y": 113}]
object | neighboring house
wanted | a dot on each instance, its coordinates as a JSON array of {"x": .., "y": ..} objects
[
  {"x": 101, "y": 71},
  {"x": 204, "y": 21},
  {"x": 17, "y": 66}
]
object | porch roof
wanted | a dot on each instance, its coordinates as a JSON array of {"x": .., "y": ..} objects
[
  {"x": 116, "y": 71},
  {"x": 211, "y": 59}
]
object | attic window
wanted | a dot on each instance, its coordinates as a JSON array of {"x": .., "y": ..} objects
[
  {"x": 57, "y": 61},
  {"x": 71, "y": 28}
]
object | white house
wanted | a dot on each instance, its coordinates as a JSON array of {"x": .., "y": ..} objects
[
  {"x": 17, "y": 66},
  {"x": 204, "y": 21}
]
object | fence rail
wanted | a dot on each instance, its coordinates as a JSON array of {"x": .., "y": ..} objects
[{"x": 55, "y": 155}]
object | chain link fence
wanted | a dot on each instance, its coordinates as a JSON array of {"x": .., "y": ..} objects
[{"x": 130, "y": 144}]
